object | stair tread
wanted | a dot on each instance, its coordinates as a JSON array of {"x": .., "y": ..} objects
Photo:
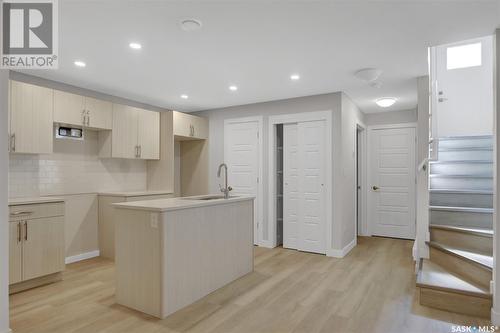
[
  {"x": 476, "y": 231},
  {"x": 444, "y": 175},
  {"x": 471, "y": 148},
  {"x": 462, "y": 162},
  {"x": 480, "y": 259},
  {"x": 463, "y": 209},
  {"x": 465, "y": 191},
  {"x": 433, "y": 276},
  {"x": 465, "y": 137}
]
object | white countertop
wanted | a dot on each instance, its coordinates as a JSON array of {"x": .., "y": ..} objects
[
  {"x": 162, "y": 205},
  {"x": 33, "y": 200},
  {"x": 134, "y": 193}
]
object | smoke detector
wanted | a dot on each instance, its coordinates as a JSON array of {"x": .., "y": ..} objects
[
  {"x": 368, "y": 74},
  {"x": 190, "y": 24}
]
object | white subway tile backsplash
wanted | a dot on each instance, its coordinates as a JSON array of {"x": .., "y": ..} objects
[{"x": 73, "y": 168}]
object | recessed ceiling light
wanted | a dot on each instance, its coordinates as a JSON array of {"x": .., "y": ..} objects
[
  {"x": 385, "y": 102},
  {"x": 233, "y": 88},
  {"x": 184, "y": 96},
  {"x": 135, "y": 46},
  {"x": 190, "y": 24},
  {"x": 294, "y": 77},
  {"x": 79, "y": 63}
]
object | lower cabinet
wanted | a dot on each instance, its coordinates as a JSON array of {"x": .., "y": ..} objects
[{"x": 36, "y": 243}]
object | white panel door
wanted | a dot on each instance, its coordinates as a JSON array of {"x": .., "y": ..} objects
[
  {"x": 312, "y": 194},
  {"x": 391, "y": 203},
  {"x": 241, "y": 154},
  {"x": 290, "y": 186}
]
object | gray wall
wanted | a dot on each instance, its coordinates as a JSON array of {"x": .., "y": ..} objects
[
  {"x": 392, "y": 117},
  {"x": 345, "y": 117},
  {"x": 326, "y": 102},
  {"x": 4, "y": 224}
]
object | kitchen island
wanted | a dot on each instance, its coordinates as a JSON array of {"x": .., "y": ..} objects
[{"x": 171, "y": 252}]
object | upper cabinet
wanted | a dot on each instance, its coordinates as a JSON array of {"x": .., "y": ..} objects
[
  {"x": 189, "y": 127},
  {"x": 30, "y": 118},
  {"x": 135, "y": 134},
  {"x": 82, "y": 111}
]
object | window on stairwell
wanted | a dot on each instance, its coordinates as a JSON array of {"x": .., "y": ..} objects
[{"x": 463, "y": 56}]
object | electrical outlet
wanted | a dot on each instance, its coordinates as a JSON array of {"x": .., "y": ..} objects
[{"x": 154, "y": 220}]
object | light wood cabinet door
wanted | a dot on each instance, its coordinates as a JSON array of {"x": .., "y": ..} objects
[
  {"x": 15, "y": 252},
  {"x": 190, "y": 127},
  {"x": 148, "y": 138},
  {"x": 200, "y": 127},
  {"x": 69, "y": 108},
  {"x": 43, "y": 247},
  {"x": 31, "y": 118},
  {"x": 124, "y": 134},
  {"x": 99, "y": 113}
]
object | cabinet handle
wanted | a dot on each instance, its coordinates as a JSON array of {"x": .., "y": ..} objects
[
  {"x": 140, "y": 150},
  {"x": 88, "y": 118},
  {"x": 25, "y": 230},
  {"x": 13, "y": 142},
  {"x": 136, "y": 151},
  {"x": 19, "y": 232}
]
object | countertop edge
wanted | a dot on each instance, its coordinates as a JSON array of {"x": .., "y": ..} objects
[
  {"x": 187, "y": 205},
  {"x": 133, "y": 193},
  {"x": 32, "y": 201}
]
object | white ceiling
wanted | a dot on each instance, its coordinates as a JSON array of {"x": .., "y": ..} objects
[{"x": 256, "y": 45}]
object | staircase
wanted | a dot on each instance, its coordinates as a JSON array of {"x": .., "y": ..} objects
[{"x": 457, "y": 276}]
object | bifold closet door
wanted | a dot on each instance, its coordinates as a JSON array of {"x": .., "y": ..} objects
[
  {"x": 290, "y": 186},
  {"x": 304, "y": 204}
]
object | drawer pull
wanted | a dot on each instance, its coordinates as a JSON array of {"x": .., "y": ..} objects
[{"x": 21, "y": 213}]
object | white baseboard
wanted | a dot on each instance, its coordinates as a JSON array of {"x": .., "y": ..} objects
[
  {"x": 495, "y": 317},
  {"x": 267, "y": 244},
  {"x": 342, "y": 252},
  {"x": 83, "y": 256}
]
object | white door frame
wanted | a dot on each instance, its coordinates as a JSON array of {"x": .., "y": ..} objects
[
  {"x": 260, "y": 187},
  {"x": 369, "y": 222},
  {"x": 297, "y": 118},
  {"x": 362, "y": 154}
]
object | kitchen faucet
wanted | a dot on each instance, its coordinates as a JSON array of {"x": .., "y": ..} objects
[{"x": 226, "y": 189}]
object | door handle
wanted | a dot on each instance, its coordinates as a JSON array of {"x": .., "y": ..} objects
[
  {"x": 19, "y": 232},
  {"x": 375, "y": 188}
]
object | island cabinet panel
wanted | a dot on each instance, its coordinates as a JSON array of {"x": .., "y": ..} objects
[
  {"x": 205, "y": 249},
  {"x": 169, "y": 258}
]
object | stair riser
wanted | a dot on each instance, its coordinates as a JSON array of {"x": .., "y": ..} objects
[
  {"x": 462, "y": 219},
  {"x": 466, "y": 143},
  {"x": 442, "y": 183},
  {"x": 469, "y": 271},
  {"x": 465, "y": 241},
  {"x": 471, "y": 169},
  {"x": 458, "y": 303},
  {"x": 472, "y": 155},
  {"x": 462, "y": 200}
]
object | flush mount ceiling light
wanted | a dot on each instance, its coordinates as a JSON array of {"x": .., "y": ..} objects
[
  {"x": 190, "y": 24},
  {"x": 385, "y": 102},
  {"x": 294, "y": 77},
  {"x": 233, "y": 88},
  {"x": 368, "y": 74},
  {"x": 184, "y": 96},
  {"x": 135, "y": 46},
  {"x": 79, "y": 63}
]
